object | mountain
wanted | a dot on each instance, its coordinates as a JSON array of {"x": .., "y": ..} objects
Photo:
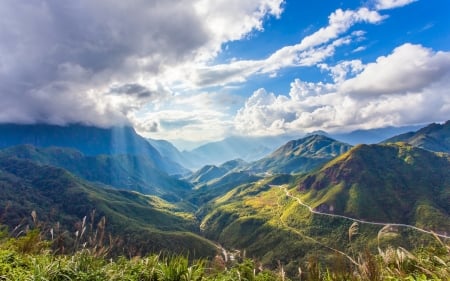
[
  {"x": 216, "y": 187},
  {"x": 169, "y": 151},
  {"x": 87, "y": 139},
  {"x": 390, "y": 183},
  {"x": 213, "y": 181},
  {"x": 122, "y": 171},
  {"x": 207, "y": 173},
  {"x": 300, "y": 155},
  {"x": 434, "y": 137},
  {"x": 246, "y": 148},
  {"x": 143, "y": 223},
  {"x": 371, "y": 136},
  {"x": 212, "y": 172},
  {"x": 393, "y": 183}
]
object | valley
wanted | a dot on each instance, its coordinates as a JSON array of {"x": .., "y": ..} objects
[{"x": 313, "y": 198}]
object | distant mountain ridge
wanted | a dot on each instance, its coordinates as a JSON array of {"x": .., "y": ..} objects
[
  {"x": 87, "y": 139},
  {"x": 246, "y": 148},
  {"x": 169, "y": 151},
  {"x": 129, "y": 172},
  {"x": 434, "y": 137},
  {"x": 255, "y": 148}
]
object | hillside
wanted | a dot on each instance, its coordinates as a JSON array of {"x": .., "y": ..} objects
[
  {"x": 380, "y": 183},
  {"x": 170, "y": 152},
  {"x": 212, "y": 181},
  {"x": 434, "y": 137},
  {"x": 89, "y": 140},
  {"x": 143, "y": 223},
  {"x": 213, "y": 172},
  {"x": 130, "y": 172},
  {"x": 390, "y": 183},
  {"x": 299, "y": 156}
]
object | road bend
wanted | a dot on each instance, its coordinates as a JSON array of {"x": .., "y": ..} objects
[{"x": 288, "y": 194}]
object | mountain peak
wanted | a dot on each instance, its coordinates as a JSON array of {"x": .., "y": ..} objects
[
  {"x": 434, "y": 137},
  {"x": 301, "y": 155}
]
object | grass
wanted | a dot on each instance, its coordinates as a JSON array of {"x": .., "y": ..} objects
[{"x": 30, "y": 257}]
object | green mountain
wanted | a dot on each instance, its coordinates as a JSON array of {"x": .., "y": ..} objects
[
  {"x": 213, "y": 172},
  {"x": 212, "y": 181},
  {"x": 390, "y": 183},
  {"x": 207, "y": 173},
  {"x": 143, "y": 223},
  {"x": 434, "y": 137},
  {"x": 130, "y": 172},
  {"x": 302, "y": 155},
  {"x": 393, "y": 183},
  {"x": 170, "y": 152},
  {"x": 216, "y": 187},
  {"x": 89, "y": 140}
]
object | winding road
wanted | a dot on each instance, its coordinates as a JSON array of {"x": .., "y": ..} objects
[{"x": 288, "y": 194}]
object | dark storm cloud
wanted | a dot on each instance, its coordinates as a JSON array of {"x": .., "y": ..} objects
[
  {"x": 56, "y": 57},
  {"x": 136, "y": 90}
]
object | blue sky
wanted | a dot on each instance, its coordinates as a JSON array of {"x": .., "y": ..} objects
[{"x": 202, "y": 70}]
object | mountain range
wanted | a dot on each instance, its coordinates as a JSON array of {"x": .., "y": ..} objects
[
  {"x": 155, "y": 204},
  {"x": 434, "y": 137},
  {"x": 122, "y": 171},
  {"x": 89, "y": 140},
  {"x": 255, "y": 148}
]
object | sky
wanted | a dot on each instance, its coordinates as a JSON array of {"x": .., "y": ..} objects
[{"x": 199, "y": 70}]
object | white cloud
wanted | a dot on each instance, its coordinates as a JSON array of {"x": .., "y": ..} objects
[
  {"x": 312, "y": 49},
  {"x": 343, "y": 70},
  {"x": 339, "y": 22},
  {"x": 230, "y": 20},
  {"x": 390, "y": 4},
  {"x": 409, "y": 86},
  {"x": 65, "y": 61},
  {"x": 148, "y": 61},
  {"x": 191, "y": 117},
  {"x": 410, "y": 68},
  {"x": 359, "y": 49}
]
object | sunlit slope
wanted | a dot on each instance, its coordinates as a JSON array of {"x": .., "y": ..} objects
[
  {"x": 373, "y": 183},
  {"x": 143, "y": 223},
  {"x": 301, "y": 155},
  {"x": 389, "y": 183},
  {"x": 434, "y": 137}
]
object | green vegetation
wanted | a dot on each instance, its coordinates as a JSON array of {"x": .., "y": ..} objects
[
  {"x": 123, "y": 171},
  {"x": 386, "y": 183},
  {"x": 143, "y": 223},
  {"x": 30, "y": 257},
  {"x": 434, "y": 137},
  {"x": 300, "y": 156},
  {"x": 324, "y": 225},
  {"x": 399, "y": 184}
]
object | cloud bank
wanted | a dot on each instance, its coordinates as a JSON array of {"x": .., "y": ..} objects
[
  {"x": 408, "y": 86},
  {"x": 96, "y": 62},
  {"x": 151, "y": 63}
]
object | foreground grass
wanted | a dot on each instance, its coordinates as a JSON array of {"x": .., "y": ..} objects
[{"x": 31, "y": 257}]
